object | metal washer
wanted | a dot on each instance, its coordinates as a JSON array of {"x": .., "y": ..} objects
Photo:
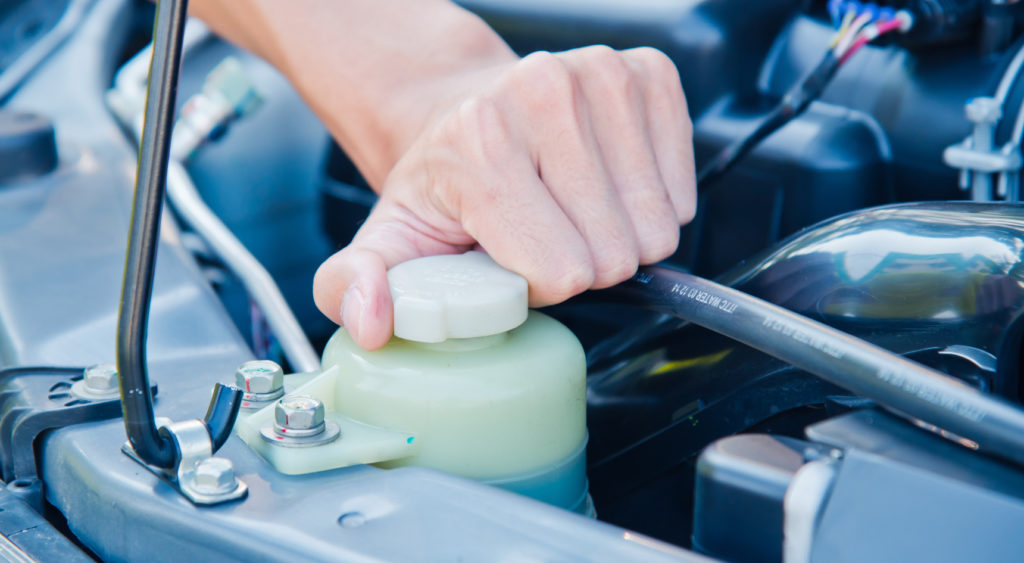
[{"x": 331, "y": 433}]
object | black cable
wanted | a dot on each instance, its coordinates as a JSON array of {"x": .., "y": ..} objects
[
  {"x": 903, "y": 386},
  {"x": 793, "y": 104},
  {"x": 221, "y": 414},
  {"x": 133, "y": 315}
]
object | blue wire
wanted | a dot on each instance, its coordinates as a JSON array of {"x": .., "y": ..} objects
[{"x": 835, "y": 9}]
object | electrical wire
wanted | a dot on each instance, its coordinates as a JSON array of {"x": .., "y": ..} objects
[
  {"x": 835, "y": 9},
  {"x": 860, "y": 24},
  {"x": 869, "y": 34},
  {"x": 844, "y": 26},
  {"x": 793, "y": 104},
  {"x": 851, "y": 34}
]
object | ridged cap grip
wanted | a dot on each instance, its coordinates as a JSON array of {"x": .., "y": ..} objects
[{"x": 456, "y": 296}]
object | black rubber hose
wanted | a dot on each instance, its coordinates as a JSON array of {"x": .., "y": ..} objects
[
  {"x": 908, "y": 388},
  {"x": 793, "y": 104},
  {"x": 222, "y": 412},
  {"x": 133, "y": 315}
]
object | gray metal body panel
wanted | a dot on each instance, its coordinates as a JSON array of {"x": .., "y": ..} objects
[
  {"x": 62, "y": 243},
  {"x": 904, "y": 494},
  {"x": 906, "y": 514}
]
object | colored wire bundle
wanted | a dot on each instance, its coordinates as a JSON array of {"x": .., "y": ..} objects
[{"x": 857, "y": 24}]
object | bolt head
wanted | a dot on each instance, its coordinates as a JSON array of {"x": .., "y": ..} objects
[
  {"x": 983, "y": 109},
  {"x": 214, "y": 475},
  {"x": 101, "y": 378},
  {"x": 261, "y": 376},
  {"x": 299, "y": 412}
]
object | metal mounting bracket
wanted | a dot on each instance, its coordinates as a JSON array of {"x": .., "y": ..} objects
[{"x": 199, "y": 476}]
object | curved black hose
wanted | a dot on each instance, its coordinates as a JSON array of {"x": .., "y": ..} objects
[
  {"x": 892, "y": 381},
  {"x": 793, "y": 104},
  {"x": 222, "y": 412},
  {"x": 133, "y": 315}
]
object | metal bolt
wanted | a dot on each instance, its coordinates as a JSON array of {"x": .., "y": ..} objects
[
  {"x": 101, "y": 378},
  {"x": 299, "y": 416},
  {"x": 214, "y": 475},
  {"x": 260, "y": 377}
]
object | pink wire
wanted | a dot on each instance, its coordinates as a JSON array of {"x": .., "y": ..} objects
[{"x": 865, "y": 38}]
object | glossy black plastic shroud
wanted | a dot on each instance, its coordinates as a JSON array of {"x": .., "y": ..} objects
[{"x": 903, "y": 386}]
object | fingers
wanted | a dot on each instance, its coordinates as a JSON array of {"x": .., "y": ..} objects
[
  {"x": 621, "y": 128},
  {"x": 570, "y": 169},
  {"x": 532, "y": 237},
  {"x": 499, "y": 200},
  {"x": 351, "y": 287},
  {"x": 669, "y": 127},
  {"x": 573, "y": 170}
]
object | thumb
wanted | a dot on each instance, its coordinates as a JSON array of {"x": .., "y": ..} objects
[{"x": 351, "y": 287}]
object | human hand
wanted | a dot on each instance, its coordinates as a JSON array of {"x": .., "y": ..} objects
[{"x": 570, "y": 169}]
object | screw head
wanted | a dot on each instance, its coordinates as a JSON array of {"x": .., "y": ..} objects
[
  {"x": 101, "y": 378},
  {"x": 299, "y": 412},
  {"x": 983, "y": 109},
  {"x": 300, "y": 421},
  {"x": 260, "y": 377},
  {"x": 214, "y": 475}
]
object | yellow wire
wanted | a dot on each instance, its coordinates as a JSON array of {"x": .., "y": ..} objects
[{"x": 847, "y": 20}]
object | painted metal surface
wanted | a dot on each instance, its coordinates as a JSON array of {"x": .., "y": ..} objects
[{"x": 62, "y": 242}]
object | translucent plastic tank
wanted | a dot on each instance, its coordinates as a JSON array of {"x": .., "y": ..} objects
[{"x": 487, "y": 389}]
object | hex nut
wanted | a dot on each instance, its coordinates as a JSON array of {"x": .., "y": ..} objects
[
  {"x": 260, "y": 377},
  {"x": 214, "y": 475},
  {"x": 299, "y": 412},
  {"x": 300, "y": 427},
  {"x": 101, "y": 378},
  {"x": 300, "y": 421}
]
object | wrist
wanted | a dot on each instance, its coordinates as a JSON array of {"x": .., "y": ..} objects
[{"x": 378, "y": 83}]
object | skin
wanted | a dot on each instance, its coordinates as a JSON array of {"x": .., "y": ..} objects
[{"x": 569, "y": 168}]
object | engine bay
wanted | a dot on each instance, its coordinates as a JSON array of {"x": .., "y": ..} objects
[{"x": 847, "y": 389}]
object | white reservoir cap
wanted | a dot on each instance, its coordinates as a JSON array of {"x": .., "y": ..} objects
[{"x": 456, "y": 296}]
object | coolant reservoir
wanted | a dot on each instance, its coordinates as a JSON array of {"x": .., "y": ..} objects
[{"x": 488, "y": 389}]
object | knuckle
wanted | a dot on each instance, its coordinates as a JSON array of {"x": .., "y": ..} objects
[
  {"x": 480, "y": 129},
  {"x": 616, "y": 273},
  {"x": 603, "y": 56},
  {"x": 661, "y": 73},
  {"x": 655, "y": 62},
  {"x": 546, "y": 79},
  {"x": 616, "y": 265},
  {"x": 686, "y": 209},
  {"x": 660, "y": 244},
  {"x": 612, "y": 73},
  {"x": 574, "y": 279}
]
